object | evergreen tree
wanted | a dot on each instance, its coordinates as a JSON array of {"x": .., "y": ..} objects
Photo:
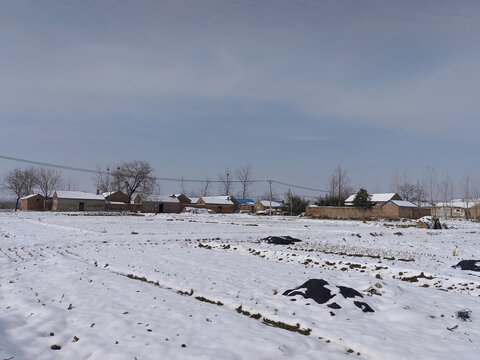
[
  {"x": 362, "y": 200},
  {"x": 294, "y": 205}
]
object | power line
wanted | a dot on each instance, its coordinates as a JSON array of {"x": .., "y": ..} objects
[
  {"x": 298, "y": 186},
  {"x": 32, "y": 162},
  {"x": 90, "y": 171}
]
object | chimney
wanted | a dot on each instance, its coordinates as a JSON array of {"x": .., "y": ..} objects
[{"x": 98, "y": 192}]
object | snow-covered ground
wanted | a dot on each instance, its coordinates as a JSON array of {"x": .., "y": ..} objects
[{"x": 170, "y": 287}]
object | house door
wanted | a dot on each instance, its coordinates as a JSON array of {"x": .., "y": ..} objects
[
  {"x": 81, "y": 206},
  {"x": 160, "y": 208},
  {"x": 219, "y": 211}
]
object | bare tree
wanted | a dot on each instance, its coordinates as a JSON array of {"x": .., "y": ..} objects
[
  {"x": 467, "y": 187},
  {"x": 467, "y": 190},
  {"x": 446, "y": 191},
  {"x": 244, "y": 175},
  {"x": 70, "y": 185},
  {"x": 47, "y": 180},
  {"x": 338, "y": 186},
  {"x": 19, "y": 182},
  {"x": 135, "y": 176},
  {"x": 399, "y": 179},
  {"x": 407, "y": 191},
  {"x": 204, "y": 189},
  {"x": 226, "y": 183},
  {"x": 430, "y": 185},
  {"x": 104, "y": 180},
  {"x": 419, "y": 194}
]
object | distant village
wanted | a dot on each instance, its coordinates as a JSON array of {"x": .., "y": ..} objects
[
  {"x": 383, "y": 205},
  {"x": 135, "y": 188},
  {"x": 119, "y": 201}
]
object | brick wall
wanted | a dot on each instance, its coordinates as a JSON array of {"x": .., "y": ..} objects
[{"x": 388, "y": 210}]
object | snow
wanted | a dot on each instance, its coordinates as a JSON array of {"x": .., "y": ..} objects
[
  {"x": 28, "y": 196},
  {"x": 403, "y": 203},
  {"x": 373, "y": 197},
  {"x": 220, "y": 200},
  {"x": 164, "y": 198},
  {"x": 275, "y": 204},
  {"x": 51, "y": 260},
  {"x": 78, "y": 195}
]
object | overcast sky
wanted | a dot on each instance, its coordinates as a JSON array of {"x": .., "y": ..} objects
[{"x": 293, "y": 88}]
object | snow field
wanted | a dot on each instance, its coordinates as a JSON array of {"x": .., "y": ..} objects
[{"x": 132, "y": 277}]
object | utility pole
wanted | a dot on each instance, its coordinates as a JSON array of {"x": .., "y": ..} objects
[
  {"x": 228, "y": 184},
  {"x": 291, "y": 203},
  {"x": 270, "y": 182}
]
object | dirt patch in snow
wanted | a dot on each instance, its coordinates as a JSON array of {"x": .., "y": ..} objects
[
  {"x": 281, "y": 240},
  {"x": 472, "y": 265},
  {"x": 316, "y": 290}
]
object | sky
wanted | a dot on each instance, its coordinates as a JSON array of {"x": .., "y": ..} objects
[{"x": 293, "y": 88}]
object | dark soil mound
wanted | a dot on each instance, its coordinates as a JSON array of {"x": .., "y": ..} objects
[
  {"x": 349, "y": 292},
  {"x": 315, "y": 289},
  {"x": 364, "y": 306},
  {"x": 472, "y": 265},
  {"x": 281, "y": 240}
]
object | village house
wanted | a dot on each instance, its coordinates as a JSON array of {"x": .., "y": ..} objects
[
  {"x": 264, "y": 206},
  {"x": 400, "y": 209},
  {"x": 194, "y": 200},
  {"x": 219, "y": 204},
  {"x": 184, "y": 199},
  {"x": 115, "y": 196},
  {"x": 32, "y": 202},
  {"x": 77, "y": 201},
  {"x": 246, "y": 205},
  {"x": 376, "y": 199},
  {"x": 457, "y": 209},
  {"x": 160, "y": 204},
  {"x": 117, "y": 201}
]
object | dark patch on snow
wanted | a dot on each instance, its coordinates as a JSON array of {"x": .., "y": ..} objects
[
  {"x": 334, "y": 305},
  {"x": 280, "y": 240},
  {"x": 364, "y": 306},
  {"x": 349, "y": 292},
  {"x": 464, "y": 314},
  {"x": 472, "y": 265},
  {"x": 314, "y": 289}
]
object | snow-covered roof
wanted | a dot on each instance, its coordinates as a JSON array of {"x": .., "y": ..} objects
[
  {"x": 274, "y": 203},
  {"x": 384, "y": 197},
  {"x": 220, "y": 200},
  {"x": 403, "y": 203},
  {"x": 194, "y": 200},
  {"x": 78, "y": 195},
  {"x": 163, "y": 198},
  {"x": 29, "y": 196}
]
